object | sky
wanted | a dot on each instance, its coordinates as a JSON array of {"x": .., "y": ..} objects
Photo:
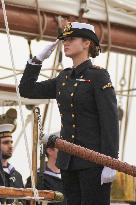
[{"x": 21, "y": 55}]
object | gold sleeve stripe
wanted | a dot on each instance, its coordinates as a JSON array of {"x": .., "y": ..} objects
[{"x": 109, "y": 85}]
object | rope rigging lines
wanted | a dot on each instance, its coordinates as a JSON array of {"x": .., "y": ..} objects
[
  {"x": 109, "y": 32},
  {"x": 19, "y": 98}
]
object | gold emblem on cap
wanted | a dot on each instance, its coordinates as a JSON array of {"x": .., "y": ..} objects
[{"x": 68, "y": 27}]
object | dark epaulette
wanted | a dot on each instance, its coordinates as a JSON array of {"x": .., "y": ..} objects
[
  {"x": 67, "y": 69},
  {"x": 98, "y": 67}
]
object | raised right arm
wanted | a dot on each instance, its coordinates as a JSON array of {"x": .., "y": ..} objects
[{"x": 30, "y": 88}]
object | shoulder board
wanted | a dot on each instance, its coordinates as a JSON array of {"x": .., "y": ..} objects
[
  {"x": 64, "y": 71},
  {"x": 67, "y": 69},
  {"x": 98, "y": 67}
]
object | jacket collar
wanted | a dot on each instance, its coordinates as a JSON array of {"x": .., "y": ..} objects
[
  {"x": 9, "y": 169},
  {"x": 82, "y": 67}
]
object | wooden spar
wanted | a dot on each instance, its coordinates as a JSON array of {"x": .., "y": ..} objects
[
  {"x": 34, "y": 149},
  {"x": 35, "y": 142},
  {"x": 24, "y": 21},
  {"x": 93, "y": 156},
  {"x": 16, "y": 193},
  {"x": 7, "y": 87}
]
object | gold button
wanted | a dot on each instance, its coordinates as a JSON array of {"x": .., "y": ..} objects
[
  {"x": 72, "y": 94},
  {"x": 71, "y": 105},
  {"x": 75, "y": 84},
  {"x": 73, "y": 136},
  {"x": 81, "y": 76},
  {"x": 63, "y": 84},
  {"x": 74, "y": 126},
  {"x": 59, "y": 92},
  {"x": 73, "y": 115}
]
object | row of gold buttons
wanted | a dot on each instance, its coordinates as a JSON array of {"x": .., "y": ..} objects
[
  {"x": 73, "y": 115},
  {"x": 63, "y": 84}
]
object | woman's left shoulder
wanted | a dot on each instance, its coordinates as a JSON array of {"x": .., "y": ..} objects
[
  {"x": 101, "y": 76},
  {"x": 100, "y": 71}
]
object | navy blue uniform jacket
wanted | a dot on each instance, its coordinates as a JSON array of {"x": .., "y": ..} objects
[
  {"x": 87, "y": 105},
  {"x": 12, "y": 178},
  {"x": 51, "y": 181}
]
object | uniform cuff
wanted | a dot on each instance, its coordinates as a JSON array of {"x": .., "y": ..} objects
[{"x": 34, "y": 61}]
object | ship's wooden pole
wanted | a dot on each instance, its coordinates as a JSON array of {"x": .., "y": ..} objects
[
  {"x": 34, "y": 149},
  {"x": 16, "y": 193}
]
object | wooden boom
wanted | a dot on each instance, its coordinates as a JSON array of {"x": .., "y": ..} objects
[
  {"x": 24, "y": 21},
  {"x": 16, "y": 193}
]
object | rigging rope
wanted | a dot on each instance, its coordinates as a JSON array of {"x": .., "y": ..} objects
[
  {"x": 125, "y": 95},
  {"x": 10, "y": 76},
  {"x": 116, "y": 72},
  {"x": 39, "y": 20},
  {"x": 19, "y": 98},
  {"x": 42, "y": 23},
  {"x": 132, "y": 89},
  {"x": 83, "y": 9},
  {"x": 122, "y": 83},
  {"x": 27, "y": 121},
  {"x": 20, "y": 72},
  {"x": 109, "y": 32},
  {"x": 127, "y": 109},
  {"x": 29, "y": 41}
]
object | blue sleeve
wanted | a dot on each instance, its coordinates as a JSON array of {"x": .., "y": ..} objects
[
  {"x": 108, "y": 114},
  {"x": 30, "y": 88}
]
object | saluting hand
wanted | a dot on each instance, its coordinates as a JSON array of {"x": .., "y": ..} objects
[{"x": 47, "y": 51}]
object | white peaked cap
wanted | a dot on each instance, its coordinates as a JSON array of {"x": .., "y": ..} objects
[
  {"x": 6, "y": 128},
  {"x": 83, "y": 25},
  {"x": 79, "y": 30}
]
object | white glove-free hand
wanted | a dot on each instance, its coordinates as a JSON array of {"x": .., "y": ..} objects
[
  {"x": 46, "y": 52},
  {"x": 107, "y": 175}
]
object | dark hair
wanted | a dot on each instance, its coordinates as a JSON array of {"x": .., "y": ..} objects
[{"x": 94, "y": 50}]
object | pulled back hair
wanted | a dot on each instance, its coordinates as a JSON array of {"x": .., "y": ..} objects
[{"x": 93, "y": 50}]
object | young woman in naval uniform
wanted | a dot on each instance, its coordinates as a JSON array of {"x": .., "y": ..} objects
[{"x": 88, "y": 109}]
